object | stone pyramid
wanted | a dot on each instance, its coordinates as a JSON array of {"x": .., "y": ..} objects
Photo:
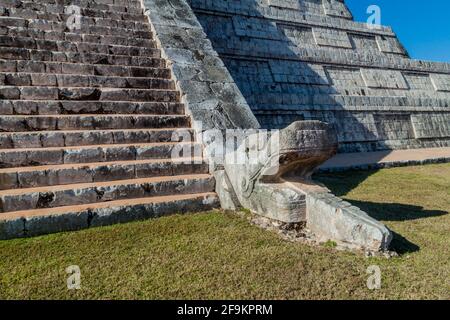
[{"x": 307, "y": 59}]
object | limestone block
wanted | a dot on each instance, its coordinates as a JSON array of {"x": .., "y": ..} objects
[
  {"x": 364, "y": 43},
  {"x": 390, "y": 45},
  {"x": 44, "y": 157},
  {"x": 255, "y": 28},
  {"x": 428, "y": 126},
  {"x": 32, "y": 140},
  {"x": 8, "y": 180},
  {"x": 52, "y": 223},
  {"x": 83, "y": 155},
  {"x": 384, "y": 79},
  {"x": 32, "y": 179},
  {"x": 43, "y": 80},
  {"x": 86, "y": 138},
  {"x": 331, "y": 38},
  {"x": 441, "y": 82},
  {"x": 352, "y": 126},
  {"x": 16, "y": 79},
  {"x": 394, "y": 126},
  {"x": 12, "y": 228},
  {"x": 299, "y": 36},
  {"x": 8, "y": 66},
  {"x": 9, "y": 93},
  {"x": 281, "y": 204},
  {"x": 345, "y": 78},
  {"x": 419, "y": 81},
  {"x": 330, "y": 218},
  {"x": 70, "y": 175},
  {"x": 297, "y": 72},
  {"x": 18, "y": 203},
  {"x": 121, "y": 214},
  {"x": 302, "y": 6},
  {"x": 227, "y": 195},
  {"x": 6, "y": 107},
  {"x": 336, "y": 8}
]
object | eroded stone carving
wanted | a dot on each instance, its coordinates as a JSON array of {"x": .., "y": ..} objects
[{"x": 296, "y": 150}]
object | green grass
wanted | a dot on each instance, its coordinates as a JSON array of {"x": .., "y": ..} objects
[{"x": 222, "y": 256}]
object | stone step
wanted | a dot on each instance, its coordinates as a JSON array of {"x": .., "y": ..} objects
[
  {"x": 27, "y": 157},
  {"x": 71, "y": 218},
  {"x": 29, "y": 107},
  {"x": 75, "y": 80},
  {"x": 46, "y": 23},
  {"x": 135, "y": 41},
  {"x": 89, "y": 94},
  {"x": 18, "y": 123},
  {"x": 47, "y": 139},
  {"x": 55, "y": 28},
  {"x": 57, "y": 13},
  {"x": 121, "y": 3},
  {"x": 59, "y": 6},
  {"x": 155, "y": 69},
  {"x": 52, "y": 175},
  {"x": 34, "y": 60},
  {"x": 126, "y": 3},
  {"x": 85, "y": 193},
  {"x": 86, "y": 24},
  {"x": 78, "y": 47}
]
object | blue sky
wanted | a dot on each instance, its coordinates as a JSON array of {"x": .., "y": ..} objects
[{"x": 422, "y": 26}]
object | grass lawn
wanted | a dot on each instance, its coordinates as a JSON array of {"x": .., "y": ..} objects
[{"x": 216, "y": 255}]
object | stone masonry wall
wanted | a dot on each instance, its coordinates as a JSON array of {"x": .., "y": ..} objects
[{"x": 308, "y": 60}]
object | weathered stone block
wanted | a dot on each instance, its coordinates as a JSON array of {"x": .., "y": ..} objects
[
  {"x": 441, "y": 82},
  {"x": 384, "y": 79}
]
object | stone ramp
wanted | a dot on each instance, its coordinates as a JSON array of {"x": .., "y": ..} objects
[
  {"x": 385, "y": 159},
  {"x": 86, "y": 121}
]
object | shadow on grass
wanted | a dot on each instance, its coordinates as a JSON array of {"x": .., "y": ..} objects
[
  {"x": 342, "y": 183},
  {"x": 395, "y": 211},
  {"x": 401, "y": 245}
]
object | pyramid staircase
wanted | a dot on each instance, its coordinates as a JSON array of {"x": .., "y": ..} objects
[{"x": 86, "y": 121}]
